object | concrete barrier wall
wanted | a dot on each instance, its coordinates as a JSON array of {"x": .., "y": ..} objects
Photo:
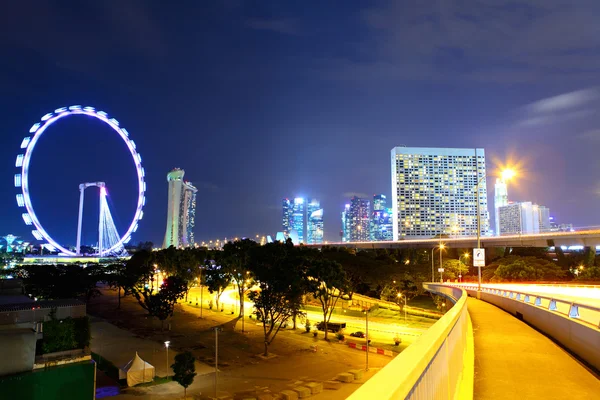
[
  {"x": 580, "y": 338},
  {"x": 438, "y": 365}
]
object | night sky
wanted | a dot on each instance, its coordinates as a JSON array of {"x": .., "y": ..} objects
[{"x": 260, "y": 100}]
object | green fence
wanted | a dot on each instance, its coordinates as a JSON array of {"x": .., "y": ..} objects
[{"x": 65, "y": 382}]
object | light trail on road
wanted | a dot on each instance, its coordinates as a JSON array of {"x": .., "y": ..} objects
[{"x": 377, "y": 330}]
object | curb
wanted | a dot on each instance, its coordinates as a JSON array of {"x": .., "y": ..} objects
[{"x": 372, "y": 349}]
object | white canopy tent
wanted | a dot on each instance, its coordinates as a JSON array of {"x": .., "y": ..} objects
[{"x": 137, "y": 371}]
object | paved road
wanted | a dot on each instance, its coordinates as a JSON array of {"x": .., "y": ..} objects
[
  {"x": 514, "y": 361},
  {"x": 377, "y": 330}
]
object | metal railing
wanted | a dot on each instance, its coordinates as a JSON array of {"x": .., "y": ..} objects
[
  {"x": 577, "y": 310},
  {"x": 433, "y": 367}
]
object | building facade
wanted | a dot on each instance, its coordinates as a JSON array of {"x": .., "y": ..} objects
[
  {"x": 523, "y": 218},
  {"x": 500, "y": 200},
  {"x": 299, "y": 218},
  {"x": 288, "y": 210},
  {"x": 181, "y": 212},
  {"x": 314, "y": 222},
  {"x": 345, "y": 233},
  {"x": 381, "y": 220},
  {"x": 434, "y": 192},
  {"x": 358, "y": 220}
]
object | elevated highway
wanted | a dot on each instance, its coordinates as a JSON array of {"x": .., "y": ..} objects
[{"x": 590, "y": 237}]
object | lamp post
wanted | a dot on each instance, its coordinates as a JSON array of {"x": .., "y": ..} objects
[
  {"x": 441, "y": 271},
  {"x": 167, "y": 343},
  {"x": 399, "y": 297},
  {"x": 432, "y": 271},
  {"x": 367, "y": 337},
  {"x": 442, "y": 247}
]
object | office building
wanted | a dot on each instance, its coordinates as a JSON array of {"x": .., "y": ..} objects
[
  {"x": 288, "y": 210},
  {"x": 381, "y": 220},
  {"x": 434, "y": 192},
  {"x": 544, "y": 218},
  {"x": 358, "y": 220},
  {"x": 314, "y": 222},
  {"x": 524, "y": 218},
  {"x": 299, "y": 218},
  {"x": 500, "y": 200},
  {"x": 181, "y": 212},
  {"x": 345, "y": 233}
]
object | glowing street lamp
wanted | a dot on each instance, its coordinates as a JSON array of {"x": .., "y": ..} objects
[
  {"x": 167, "y": 343},
  {"x": 508, "y": 174},
  {"x": 399, "y": 297}
]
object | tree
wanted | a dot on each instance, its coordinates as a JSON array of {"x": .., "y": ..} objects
[
  {"x": 328, "y": 283},
  {"x": 162, "y": 304},
  {"x": 454, "y": 268},
  {"x": 184, "y": 369},
  {"x": 280, "y": 278},
  {"x": 61, "y": 281},
  {"x": 234, "y": 261},
  {"x": 217, "y": 279},
  {"x": 521, "y": 269}
]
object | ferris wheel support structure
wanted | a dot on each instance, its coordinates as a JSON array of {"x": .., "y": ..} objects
[{"x": 82, "y": 188}]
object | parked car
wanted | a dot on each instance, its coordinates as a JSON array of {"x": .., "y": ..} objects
[{"x": 358, "y": 334}]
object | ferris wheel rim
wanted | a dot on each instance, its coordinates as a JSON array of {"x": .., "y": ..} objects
[{"x": 22, "y": 179}]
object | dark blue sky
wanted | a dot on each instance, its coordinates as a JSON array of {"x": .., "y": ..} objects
[{"x": 259, "y": 100}]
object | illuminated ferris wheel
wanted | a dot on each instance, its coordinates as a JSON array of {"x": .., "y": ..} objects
[{"x": 109, "y": 241}]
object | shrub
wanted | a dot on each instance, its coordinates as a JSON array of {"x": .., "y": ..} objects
[
  {"x": 397, "y": 340},
  {"x": 340, "y": 336},
  {"x": 307, "y": 326}
]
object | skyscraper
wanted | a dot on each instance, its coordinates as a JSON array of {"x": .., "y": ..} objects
[
  {"x": 288, "y": 210},
  {"x": 345, "y": 225},
  {"x": 500, "y": 200},
  {"x": 314, "y": 222},
  {"x": 299, "y": 217},
  {"x": 358, "y": 220},
  {"x": 181, "y": 212},
  {"x": 381, "y": 220},
  {"x": 434, "y": 192}
]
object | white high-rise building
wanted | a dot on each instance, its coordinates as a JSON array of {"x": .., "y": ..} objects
[
  {"x": 500, "y": 200},
  {"x": 434, "y": 192},
  {"x": 523, "y": 218},
  {"x": 181, "y": 213}
]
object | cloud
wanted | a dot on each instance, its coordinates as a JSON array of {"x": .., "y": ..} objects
[
  {"x": 286, "y": 26},
  {"x": 483, "y": 40},
  {"x": 357, "y": 194},
  {"x": 565, "y": 107},
  {"x": 564, "y": 101}
]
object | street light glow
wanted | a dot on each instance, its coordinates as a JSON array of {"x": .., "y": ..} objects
[{"x": 508, "y": 174}]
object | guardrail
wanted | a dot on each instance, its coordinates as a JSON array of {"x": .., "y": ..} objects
[
  {"x": 573, "y": 324},
  {"x": 438, "y": 365},
  {"x": 582, "y": 312}
]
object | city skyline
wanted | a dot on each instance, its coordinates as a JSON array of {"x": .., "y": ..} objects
[{"x": 350, "y": 92}]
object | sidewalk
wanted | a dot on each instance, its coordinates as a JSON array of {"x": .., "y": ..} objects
[{"x": 514, "y": 361}]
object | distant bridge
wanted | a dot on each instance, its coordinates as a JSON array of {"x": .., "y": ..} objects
[{"x": 584, "y": 238}]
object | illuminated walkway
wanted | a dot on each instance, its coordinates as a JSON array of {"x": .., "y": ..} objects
[{"x": 514, "y": 361}]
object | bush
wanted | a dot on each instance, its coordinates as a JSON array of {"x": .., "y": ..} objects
[
  {"x": 59, "y": 336},
  {"x": 307, "y": 326},
  {"x": 340, "y": 336},
  {"x": 397, "y": 340},
  {"x": 83, "y": 334},
  {"x": 66, "y": 334}
]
